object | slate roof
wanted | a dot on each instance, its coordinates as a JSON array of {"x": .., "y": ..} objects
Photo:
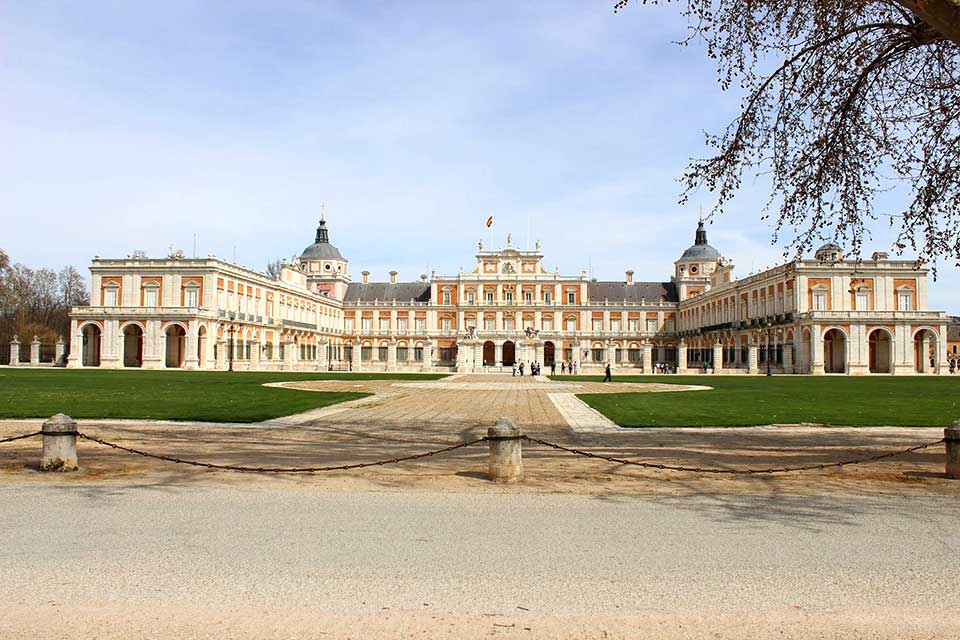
[
  {"x": 386, "y": 292},
  {"x": 650, "y": 292}
]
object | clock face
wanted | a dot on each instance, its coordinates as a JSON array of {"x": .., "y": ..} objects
[{"x": 694, "y": 269}]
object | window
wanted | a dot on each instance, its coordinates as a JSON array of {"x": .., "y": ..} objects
[
  {"x": 348, "y": 325},
  {"x": 633, "y": 355},
  {"x": 904, "y": 301},
  {"x": 470, "y": 297},
  {"x": 220, "y": 300},
  {"x": 615, "y": 324},
  {"x": 189, "y": 297},
  {"x": 571, "y": 324},
  {"x": 382, "y": 354},
  {"x": 508, "y": 296},
  {"x": 401, "y": 325},
  {"x": 528, "y": 297},
  {"x": 669, "y": 328},
  {"x": 597, "y": 324},
  {"x": 634, "y": 325},
  {"x": 446, "y": 354},
  {"x": 862, "y": 301},
  {"x": 421, "y": 325},
  {"x": 489, "y": 324},
  {"x": 418, "y": 354},
  {"x": 548, "y": 297},
  {"x": 150, "y": 297},
  {"x": 571, "y": 297},
  {"x": 596, "y": 355},
  {"x": 489, "y": 297},
  {"x": 384, "y": 325},
  {"x": 548, "y": 324},
  {"x": 446, "y": 297},
  {"x": 401, "y": 354},
  {"x": 445, "y": 324},
  {"x": 819, "y": 301},
  {"x": 110, "y": 297},
  {"x": 367, "y": 326},
  {"x": 508, "y": 324},
  {"x": 366, "y": 354},
  {"x": 651, "y": 325}
]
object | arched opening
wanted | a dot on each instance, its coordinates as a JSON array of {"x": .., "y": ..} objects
[
  {"x": 549, "y": 354},
  {"x": 834, "y": 352},
  {"x": 489, "y": 354},
  {"x": 91, "y": 345},
  {"x": 925, "y": 351},
  {"x": 132, "y": 346},
  {"x": 202, "y": 347},
  {"x": 509, "y": 354},
  {"x": 806, "y": 351},
  {"x": 881, "y": 351},
  {"x": 176, "y": 340}
]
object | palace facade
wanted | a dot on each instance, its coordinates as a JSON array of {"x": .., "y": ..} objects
[{"x": 826, "y": 315}]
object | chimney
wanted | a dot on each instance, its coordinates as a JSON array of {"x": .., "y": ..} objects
[
  {"x": 393, "y": 277},
  {"x": 423, "y": 278},
  {"x": 433, "y": 275},
  {"x": 629, "y": 276},
  {"x": 366, "y": 276}
]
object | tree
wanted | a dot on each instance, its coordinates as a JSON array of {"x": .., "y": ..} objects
[
  {"x": 38, "y": 301},
  {"x": 863, "y": 98}
]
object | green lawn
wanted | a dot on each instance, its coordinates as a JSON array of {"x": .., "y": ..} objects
[
  {"x": 167, "y": 395},
  {"x": 759, "y": 400}
]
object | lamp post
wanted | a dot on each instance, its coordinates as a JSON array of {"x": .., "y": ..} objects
[{"x": 230, "y": 349}]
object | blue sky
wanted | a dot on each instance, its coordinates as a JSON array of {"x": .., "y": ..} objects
[{"x": 132, "y": 125}]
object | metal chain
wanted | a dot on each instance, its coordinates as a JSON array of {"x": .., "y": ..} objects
[
  {"x": 26, "y": 435},
  {"x": 230, "y": 467},
  {"x": 667, "y": 467}
]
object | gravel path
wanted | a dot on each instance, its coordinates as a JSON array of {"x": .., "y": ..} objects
[{"x": 109, "y": 560}]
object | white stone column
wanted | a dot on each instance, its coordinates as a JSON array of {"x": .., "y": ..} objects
[
  {"x": 647, "y": 362},
  {"x": 59, "y": 350},
  {"x": 816, "y": 339},
  {"x": 322, "y": 359},
  {"x": 221, "y": 357},
  {"x": 35, "y": 351},
  {"x": 788, "y": 357},
  {"x": 289, "y": 353},
  {"x": 718, "y": 355},
  {"x": 74, "y": 360},
  {"x": 682, "y": 357},
  {"x": 191, "y": 360},
  {"x": 392, "y": 355},
  {"x": 153, "y": 355},
  {"x": 498, "y": 351},
  {"x": 110, "y": 345},
  {"x": 15, "y": 352},
  {"x": 611, "y": 351},
  {"x": 255, "y": 355},
  {"x": 355, "y": 362},
  {"x": 942, "y": 367},
  {"x": 753, "y": 365}
]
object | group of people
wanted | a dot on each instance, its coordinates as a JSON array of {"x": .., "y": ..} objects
[
  {"x": 521, "y": 368},
  {"x": 565, "y": 367}
]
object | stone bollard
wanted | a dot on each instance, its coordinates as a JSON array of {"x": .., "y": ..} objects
[
  {"x": 59, "y": 444},
  {"x": 61, "y": 349},
  {"x": 506, "y": 458},
  {"x": 952, "y": 444},
  {"x": 15, "y": 352},
  {"x": 35, "y": 352}
]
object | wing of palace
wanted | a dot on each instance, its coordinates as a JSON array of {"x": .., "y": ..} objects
[{"x": 823, "y": 315}]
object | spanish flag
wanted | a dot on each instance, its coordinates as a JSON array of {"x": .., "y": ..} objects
[{"x": 489, "y": 222}]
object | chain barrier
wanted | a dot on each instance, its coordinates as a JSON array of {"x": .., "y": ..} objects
[
  {"x": 231, "y": 467},
  {"x": 26, "y": 435},
  {"x": 745, "y": 472}
]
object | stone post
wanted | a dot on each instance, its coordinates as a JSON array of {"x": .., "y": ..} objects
[
  {"x": 682, "y": 357},
  {"x": 788, "y": 358},
  {"x": 718, "y": 356},
  {"x": 322, "y": 346},
  {"x": 506, "y": 459},
  {"x": 392, "y": 354},
  {"x": 289, "y": 353},
  {"x": 952, "y": 444},
  {"x": 15, "y": 352},
  {"x": 59, "y": 444},
  {"x": 255, "y": 355},
  {"x": 647, "y": 363},
  {"x": 355, "y": 360},
  {"x": 753, "y": 365},
  {"x": 35, "y": 352},
  {"x": 221, "y": 360},
  {"x": 59, "y": 350}
]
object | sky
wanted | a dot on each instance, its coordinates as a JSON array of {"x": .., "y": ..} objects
[{"x": 225, "y": 125}]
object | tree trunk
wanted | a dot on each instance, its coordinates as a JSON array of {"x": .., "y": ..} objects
[{"x": 942, "y": 15}]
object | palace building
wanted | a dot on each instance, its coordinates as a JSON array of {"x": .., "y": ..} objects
[{"x": 825, "y": 315}]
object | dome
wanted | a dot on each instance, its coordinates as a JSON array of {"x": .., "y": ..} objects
[
  {"x": 700, "y": 249},
  {"x": 321, "y": 249},
  {"x": 830, "y": 246}
]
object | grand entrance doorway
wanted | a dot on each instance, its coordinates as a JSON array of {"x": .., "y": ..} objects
[
  {"x": 549, "y": 354},
  {"x": 509, "y": 354},
  {"x": 489, "y": 354}
]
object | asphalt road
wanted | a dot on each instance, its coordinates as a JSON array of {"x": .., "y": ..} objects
[{"x": 122, "y": 547}]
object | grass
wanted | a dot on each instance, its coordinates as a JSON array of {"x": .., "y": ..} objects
[
  {"x": 215, "y": 396},
  {"x": 759, "y": 400}
]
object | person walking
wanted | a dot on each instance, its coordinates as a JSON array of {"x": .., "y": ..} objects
[
  {"x": 607, "y": 374},
  {"x": 521, "y": 369},
  {"x": 553, "y": 368}
]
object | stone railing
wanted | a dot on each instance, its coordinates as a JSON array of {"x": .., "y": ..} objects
[{"x": 35, "y": 353}]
